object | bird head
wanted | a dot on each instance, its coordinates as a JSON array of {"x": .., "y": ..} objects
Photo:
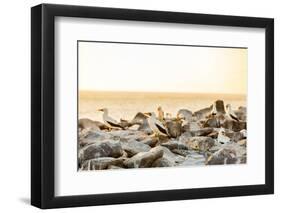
[
  {"x": 103, "y": 110},
  {"x": 159, "y": 108},
  {"x": 147, "y": 114}
]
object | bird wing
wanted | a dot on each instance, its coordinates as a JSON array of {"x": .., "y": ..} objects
[
  {"x": 111, "y": 121},
  {"x": 233, "y": 117},
  {"x": 160, "y": 126}
]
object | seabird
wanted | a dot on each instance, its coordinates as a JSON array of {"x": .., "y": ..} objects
[
  {"x": 156, "y": 126},
  {"x": 110, "y": 122},
  {"x": 184, "y": 114},
  {"x": 214, "y": 109},
  {"x": 222, "y": 138},
  {"x": 230, "y": 113},
  {"x": 160, "y": 114}
]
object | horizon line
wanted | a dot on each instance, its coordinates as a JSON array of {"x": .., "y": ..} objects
[{"x": 175, "y": 92}]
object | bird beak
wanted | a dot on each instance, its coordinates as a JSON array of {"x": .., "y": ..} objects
[
  {"x": 101, "y": 110},
  {"x": 147, "y": 114}
]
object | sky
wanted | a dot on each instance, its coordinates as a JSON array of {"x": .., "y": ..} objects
[{"x": 161, "y": 68}]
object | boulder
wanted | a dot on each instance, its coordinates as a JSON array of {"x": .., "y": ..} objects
[
  {"x": 162, "y": 162},
  {"x": 212, "y": 122},
  {"x": 202, "y": 132},
  {"x": 200, "y": 143},
  {"x": 133, "y": 147},
  {"x": 234, "y": 125},
  {"x": 107, "y": 148},
  {"x": 174, "y": 128},
  {"x": 203, "y": 113},
  {"x": 144, "y": 159},
  {"x": 185, "y": 114},
  {"x": 194, "y": 159},
  {"x": 102, "y": 163},
  {"x": 172, "y": 157},
  {"x": 185, "y": 137},
  {"x": 151, "y": 141},
  {"x": 223, "y": 156},
  {"x": 173, "y": 144},
  {"x": 95, "y": 136}
]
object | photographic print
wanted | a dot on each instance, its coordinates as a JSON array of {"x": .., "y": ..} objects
[{"x": 160, "y": 105}]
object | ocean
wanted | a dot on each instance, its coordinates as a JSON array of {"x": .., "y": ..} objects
[{"x": 126, "y": 105}]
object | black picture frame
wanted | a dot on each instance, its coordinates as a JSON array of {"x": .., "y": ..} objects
[{"x": 43, "y": 102}]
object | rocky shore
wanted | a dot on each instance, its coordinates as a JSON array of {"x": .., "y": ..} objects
[{"x": 212, "y": 136}]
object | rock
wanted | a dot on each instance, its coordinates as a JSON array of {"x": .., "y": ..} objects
[
  {"x": 85, "y": 123},
  {"x": 145, "y": 128},
  {"x": 200, "y": 143},
  {"x": 241, "y": 113},
  {"x": 162, "y": 162},
  {"x": 93, "y": 136},
  {"x": 151, "y": 141},
  {"x": 237, "y": 136},
  {"x": 185, "y": 137},
  {"x": 172, "y": 157},
  {"x": 234, "y": 125},
  {"x": 194, "y": 126},
  {"x": 133, "y": 147},
  {"x": 185, "y": 115},
  {"x": 211, "y": 122},
  {"x": 219, "y": 106},
  {"x": 114, "y": 167},
  {"x": 172, "y": 144},
  {"x": 201, "y": 114},
  {"x": 213, "y": 135},
  {"x": 231, "y": 153},
  {"x": 242, "y": 142},
  {"x": 174, "y": 128},
  {"x": 107, "y": 148},
  {"x": 182, "y": 152},
  {"x": 202, "y": 132},
  {"x": 144, "y": 159},
  {"x": 194, "y": 159},
  {"x": 223, "y": 156},
  {"x": 102, "y": 163}
]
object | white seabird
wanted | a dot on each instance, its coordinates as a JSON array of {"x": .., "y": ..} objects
[
  {"x": 160, "y": 113},
  {"x": 214, "y": 109},
  {"x": 222, "y": 138},
  {"x": 110, "y": 122},
  {"x": 230, "y": 113},
  {"x": 157, "y": 127}
]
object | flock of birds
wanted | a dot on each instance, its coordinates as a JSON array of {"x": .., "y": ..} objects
[{"x": 157, "y": 123}]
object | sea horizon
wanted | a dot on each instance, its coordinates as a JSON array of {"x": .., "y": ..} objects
[{"x": 126, "y": 104}]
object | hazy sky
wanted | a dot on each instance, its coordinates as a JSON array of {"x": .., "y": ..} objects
[{"x": 161, "y": 68}]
